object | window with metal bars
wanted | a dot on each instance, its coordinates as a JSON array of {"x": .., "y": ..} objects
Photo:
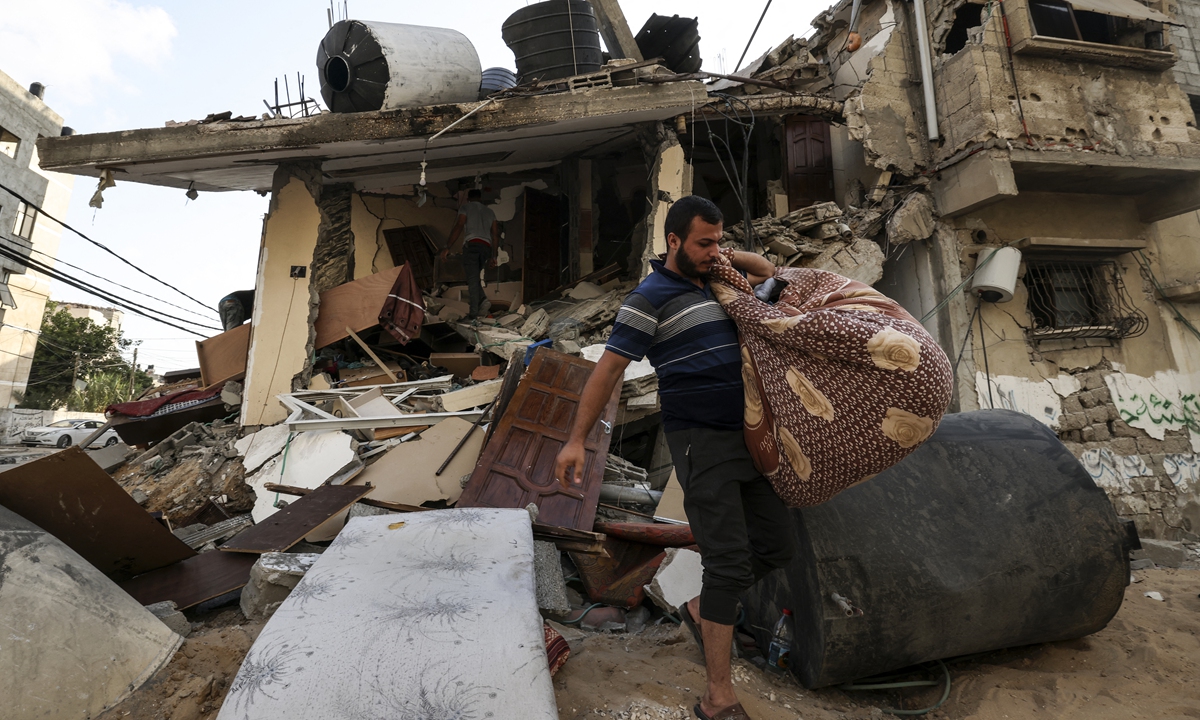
[{"x": 1080, "y": 299}]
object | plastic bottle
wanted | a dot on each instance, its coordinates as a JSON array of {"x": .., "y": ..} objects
[{"x": 781, "y": 643}]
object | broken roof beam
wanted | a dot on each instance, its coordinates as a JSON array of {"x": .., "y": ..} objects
[
  {"x": 782, "y": 104},
  {"x": 615, "y": 30},
  {"x": 277, "y": 141}
]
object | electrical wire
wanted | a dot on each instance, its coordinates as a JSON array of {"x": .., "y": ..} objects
[
  {"x": 79, "y": 284},
  {"x": 60, "y": 261},
  {"x": 1144, "y": 263},
  {"x": 102, "y": 246},
  {"x": 751, "y": 40},
  {"x": 987, "y": 372},
  {"x": 869, "y": 685},
  {"x": 727, "y": 107}
]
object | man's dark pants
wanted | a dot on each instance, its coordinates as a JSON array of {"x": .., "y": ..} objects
[
  {"x": 742, "y": 527},
  {"x": 475, "y": 259}
]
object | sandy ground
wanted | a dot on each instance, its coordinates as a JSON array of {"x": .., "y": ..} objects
[{"x": 1145, "y": 664}]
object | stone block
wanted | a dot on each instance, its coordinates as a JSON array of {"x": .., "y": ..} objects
[
  {"x": 1123, "y": 446},
  {"x": 677, "y": 580},
  {"x": 1088, "y": 434},
  {"x": 272, "y": 579},
  {"x": 1102, "y": 432},
  {"x": 1149, "y": 446},
  {"x": 169, "y": 613},
  {"x": 1072, "y": 421},
  {"x": 1121, "y": 429},
  {"x": 1164, "y": 553},
  {"x": 1143, "y": 564},
  {"x": 1087, "y": 400},
  {"x": 1072, "y": 404},
  {"x": 1091, "y": 379},
  {"x": 1097, "y": 415},
  {"x": 1176, "y": 443},
  {"x": 1130, "y": 505},
  {"x": 551, "y": 588}
]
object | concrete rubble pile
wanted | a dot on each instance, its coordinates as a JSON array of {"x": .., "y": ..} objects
[
  {"x": 789, "y": 66},
  {"x": 819, "y": 236}
]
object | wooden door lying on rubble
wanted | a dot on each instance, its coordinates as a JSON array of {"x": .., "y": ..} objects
[
  {"x": 543, "y": 261},
  {"x": 809, "y": 162},
  {"x": 517, "y": 467}
]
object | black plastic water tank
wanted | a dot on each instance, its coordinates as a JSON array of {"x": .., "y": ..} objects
[
  {"x": 554, "y": 39},
  {"x": 496, "y": 78},
  {"x": 991, "y": 535}
]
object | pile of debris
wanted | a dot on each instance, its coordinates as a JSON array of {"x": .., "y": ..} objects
[
  {"x": 819, "y": 236},
  {"x": 790, "y": 66}
]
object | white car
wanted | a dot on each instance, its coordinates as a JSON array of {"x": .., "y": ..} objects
[{"x": 66, "y": 433}]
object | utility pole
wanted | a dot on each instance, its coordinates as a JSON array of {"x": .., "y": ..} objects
[
  {"x": 132, "y": 371},
  {"x": 75, "y": 372}
]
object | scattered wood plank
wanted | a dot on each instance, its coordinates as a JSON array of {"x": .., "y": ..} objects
[
  {"x": 473, "y": 396},
  {"x": 69, "y": 496},
  {"x": 354, "y": 304},
  {"x": 565, "y": 538},
  {"x": 223, "y": 357},
  {"x": 287, "y": 527},
  {"x": 382, "y": 365},
  {"x": 192, "y": 581}
]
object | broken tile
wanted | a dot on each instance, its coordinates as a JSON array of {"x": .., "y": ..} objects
[{"x": 677, "y": 580}]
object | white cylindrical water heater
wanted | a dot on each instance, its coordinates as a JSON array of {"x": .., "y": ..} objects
[
  {"x": 995, "y": 279},
  {"x": 382, "y": 66}
]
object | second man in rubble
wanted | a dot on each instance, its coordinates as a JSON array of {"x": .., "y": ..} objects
[
  {"x": 480, "y": 231},
  {"x": 740, "y": 524}
]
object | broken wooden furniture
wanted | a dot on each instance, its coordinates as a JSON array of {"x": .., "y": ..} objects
[
  {"x": 517, "y": 467},
  {"x": 223, "y": 357},
  {"x": 69, "y": 496},
  {"x": 352, "y": 306}
]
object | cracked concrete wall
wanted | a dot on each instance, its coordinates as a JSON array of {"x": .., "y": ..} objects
[
  {"x": 283, "y": 311},
  {"x": 1187, "y": 43},
  {"x": 667, "y": 178},
  {"x": 1068, "y": 104}
]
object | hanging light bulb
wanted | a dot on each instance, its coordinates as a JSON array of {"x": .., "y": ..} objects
[{"x": 191, "y": 191}]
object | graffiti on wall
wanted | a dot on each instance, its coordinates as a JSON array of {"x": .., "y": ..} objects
[
  {"x": 1164, "y": 402},
  {"x": 1183, "y": 471},
  {"x": 1036, "y": 399},
  {"x": 1113, "y": 472},
  {"x": 19, "y": 421}
]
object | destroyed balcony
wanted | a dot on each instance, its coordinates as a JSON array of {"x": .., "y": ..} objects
[{"x": 1120, "y": 33}]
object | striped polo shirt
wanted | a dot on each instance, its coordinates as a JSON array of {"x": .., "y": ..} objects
[{"x": 693, "y": 346}]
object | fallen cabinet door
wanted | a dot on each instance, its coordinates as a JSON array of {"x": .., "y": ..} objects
[
  {"x": 287, "y": 527},
  {"x": 69, "y": 496},
  {"x": 517, "y": 467},
  {"x": 191, "y": 582}
]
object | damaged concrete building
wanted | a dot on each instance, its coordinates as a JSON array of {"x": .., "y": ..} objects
[{"x": 894, "y": 145}]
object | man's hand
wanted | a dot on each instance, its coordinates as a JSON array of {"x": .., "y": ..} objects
[
  {"x": 568, "y": 468},
  {"x": 444, "y": 254}
]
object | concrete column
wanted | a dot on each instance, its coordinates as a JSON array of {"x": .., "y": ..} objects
[
  {"x": 949, "y": 326},
  {"x": 281, "y": 325},
  {"x": 667, "y": 179},
  {"x": 586, "y": 244}
]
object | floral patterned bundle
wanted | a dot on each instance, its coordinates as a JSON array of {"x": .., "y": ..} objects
[{"x": 841, "y": 382}]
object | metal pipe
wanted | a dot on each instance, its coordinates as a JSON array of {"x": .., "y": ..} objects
[{"x": 926, "y": 69}]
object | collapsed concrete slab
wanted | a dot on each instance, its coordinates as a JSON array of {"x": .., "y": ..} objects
[
  {"x": 434, "y": 615},
  {"x": 677, "y": 580},
  {"x": 74, "y": 643},
  {"x": 272, "y": 579}
]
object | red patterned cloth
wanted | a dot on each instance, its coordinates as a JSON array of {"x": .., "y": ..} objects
[
  {"x": 557, "y": 649},
  {"x": 841, "y": 382},
  {"x": 403, "y": 311},
  {"x": 145, "y": 408}
]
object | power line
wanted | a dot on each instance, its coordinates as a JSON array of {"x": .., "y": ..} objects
[
  {"x": 59, "y": 260},
  {"x": 103, "y": 247},
  {"x": 79, "y": 284}
]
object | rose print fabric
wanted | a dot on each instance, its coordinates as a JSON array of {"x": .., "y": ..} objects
[{"x": 841, "y": 382}]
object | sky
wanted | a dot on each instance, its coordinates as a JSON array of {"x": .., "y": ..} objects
[{"x": 109, "y": 65}]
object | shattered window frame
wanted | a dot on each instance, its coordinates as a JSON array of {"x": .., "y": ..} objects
[
  {"x": 23, "y": 225},
  {"x": 1080, "y": 298},
  {"x": 1096, "y": 28}
]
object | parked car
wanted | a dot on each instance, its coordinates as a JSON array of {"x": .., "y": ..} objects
[{"x": 66, "y": 433}]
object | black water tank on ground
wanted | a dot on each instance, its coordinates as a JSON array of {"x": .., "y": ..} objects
[
  {"x": 554, "y": 39},
  {"x": 991, "y": 535}
]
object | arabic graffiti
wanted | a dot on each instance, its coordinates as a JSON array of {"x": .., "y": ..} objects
[
  {"x": 1183, "y": 471},
  {"x": 1113, "y": 472},
  {"x": 1161, "y": 411}
]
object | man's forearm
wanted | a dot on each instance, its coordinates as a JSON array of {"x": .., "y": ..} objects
[{"x": 594, "y": 399}]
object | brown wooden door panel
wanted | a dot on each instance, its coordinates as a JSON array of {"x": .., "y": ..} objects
[
  {"x": 517, "y": 467},
  {"x": 809, "y": 161},
  {"x": 411, "y": 245}
]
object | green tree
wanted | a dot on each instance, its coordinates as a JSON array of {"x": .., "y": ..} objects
[{"x": 71, "y": 348}]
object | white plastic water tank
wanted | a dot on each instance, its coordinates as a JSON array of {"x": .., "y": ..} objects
[
  {"x": 996, "y": 280},
  {"x": 368, "y": 66}
]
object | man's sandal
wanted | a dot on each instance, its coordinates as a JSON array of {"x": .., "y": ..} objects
[
  {"x": 733, "y": 712},
  {"x": 685, "y": 615}
]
